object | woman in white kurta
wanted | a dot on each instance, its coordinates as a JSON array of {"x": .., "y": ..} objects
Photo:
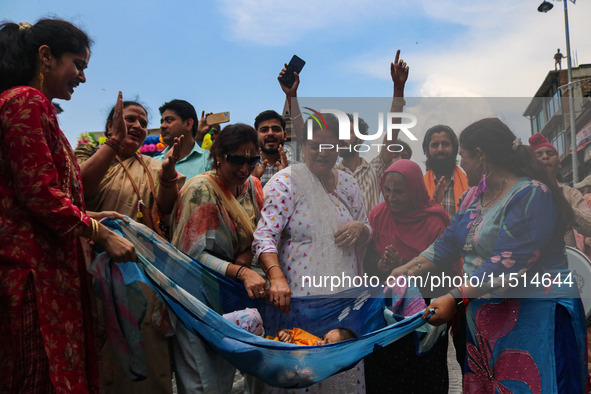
[
  {"x": 313, "y": 226},
  {"x": 289, "y": 224}
]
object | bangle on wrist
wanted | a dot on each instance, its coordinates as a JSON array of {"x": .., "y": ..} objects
[
  {"x": 237, "y": 277},
  {"x": 94, "y": 230},
  {"x": 419, "y": 266},
  {"x": 113, "y": 145},
  {"x": 168, "y": 182},
  {"x": 269, "y": 269}
]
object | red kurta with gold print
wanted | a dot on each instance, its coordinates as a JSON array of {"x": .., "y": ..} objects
[{"x": 41, "y": 219}]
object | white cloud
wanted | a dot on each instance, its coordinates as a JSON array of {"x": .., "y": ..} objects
[
  {"x": 506, "y": 51},
  {"x": 272, "y": 22}
]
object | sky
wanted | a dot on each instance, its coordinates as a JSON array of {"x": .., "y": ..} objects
[{"x": 225, "y": 55}]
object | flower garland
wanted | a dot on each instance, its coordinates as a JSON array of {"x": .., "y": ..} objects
[{"x": 153, "y": 145}]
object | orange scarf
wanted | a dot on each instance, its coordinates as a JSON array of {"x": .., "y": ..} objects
[{"x": 460, "y": 184}]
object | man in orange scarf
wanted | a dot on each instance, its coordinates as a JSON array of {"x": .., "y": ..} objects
[{"x": 445, "y": 181}]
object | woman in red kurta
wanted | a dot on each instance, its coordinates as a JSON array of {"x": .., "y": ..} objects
[{"x": 46, "y": 330}]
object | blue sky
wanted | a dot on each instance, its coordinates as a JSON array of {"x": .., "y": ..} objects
[{"x": 225, "y": 55}]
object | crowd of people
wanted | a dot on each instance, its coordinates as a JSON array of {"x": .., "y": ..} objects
[{"x": 245, "y": 211}]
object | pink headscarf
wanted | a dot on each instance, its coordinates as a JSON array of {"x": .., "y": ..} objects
[
  {"x": 412, "y": 232},
  {"x": 537, "y": 141}
]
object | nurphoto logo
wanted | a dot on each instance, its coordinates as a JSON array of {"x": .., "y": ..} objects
[{"x": 345, "y": 128}]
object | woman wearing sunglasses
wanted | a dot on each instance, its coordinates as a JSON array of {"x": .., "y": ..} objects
[{"x": 213, "y": 221}]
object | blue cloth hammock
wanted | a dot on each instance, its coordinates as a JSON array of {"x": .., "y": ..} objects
[{"x": 198, "y": 296}]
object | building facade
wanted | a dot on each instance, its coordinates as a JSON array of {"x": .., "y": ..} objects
[{"x": 549, "y": 114}]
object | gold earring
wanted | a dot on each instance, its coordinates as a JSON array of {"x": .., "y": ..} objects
[
  {"x": 218, "y": 163},
  {"x": 41, "y": 79}
]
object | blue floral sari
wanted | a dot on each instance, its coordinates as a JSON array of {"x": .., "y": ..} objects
[{"x": 531, "y": 338}]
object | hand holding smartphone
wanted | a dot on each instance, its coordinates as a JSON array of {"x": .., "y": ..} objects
[
  {"x": 220, "y": 117},
  {"x": 296, "y": 64}
]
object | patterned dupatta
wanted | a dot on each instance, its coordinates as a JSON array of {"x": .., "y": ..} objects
[{"x": 207, "y": 217}]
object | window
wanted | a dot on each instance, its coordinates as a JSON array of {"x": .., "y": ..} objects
[
  {"x": 553, "y": 105},
  {"x": 559, "y": 144},
  {"x": 535, "y": 127},
  {"x": 541, "y": 118}
]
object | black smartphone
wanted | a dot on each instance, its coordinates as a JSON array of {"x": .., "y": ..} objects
[{"x": 295, "y": 65}]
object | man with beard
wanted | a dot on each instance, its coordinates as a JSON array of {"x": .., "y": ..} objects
[
  {"x": 270, "y": 127},
  {"x": 369, "y": 175},
  {"x": 446, "y": 182}
]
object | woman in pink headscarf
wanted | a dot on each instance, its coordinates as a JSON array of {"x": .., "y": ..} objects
[
  {"x": 408, "y": 220},
  {"x": 405, "y": 224}
]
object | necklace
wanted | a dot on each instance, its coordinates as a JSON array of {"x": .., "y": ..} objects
[
  {"x": 469, "y": 244},
  {"x": 490, "y": 202}
]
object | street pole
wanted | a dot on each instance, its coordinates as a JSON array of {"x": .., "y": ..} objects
[{"x": 571, "y": 98}]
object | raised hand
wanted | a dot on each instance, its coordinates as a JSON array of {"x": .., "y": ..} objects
[
  {"x": 293, "y": 91},
  {"x": 172, "y": 156},
  {"x": 283, "y": 162},
  {"x": 440, "y": 189},
  {"x": 119, "y": 129},
  {"x": 202, "y": 126},
  {"x": 259, "y": 170},
  {"x": 399, "y": 71}
]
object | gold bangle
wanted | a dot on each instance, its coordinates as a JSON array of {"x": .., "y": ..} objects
[
  {"x": 269, "y": 269},
  {"x": 96, "y": 229},
  {"x": 93, "y": 229}
]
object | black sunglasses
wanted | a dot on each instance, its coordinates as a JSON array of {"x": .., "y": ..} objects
[{"x": 238, "y": 160}]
